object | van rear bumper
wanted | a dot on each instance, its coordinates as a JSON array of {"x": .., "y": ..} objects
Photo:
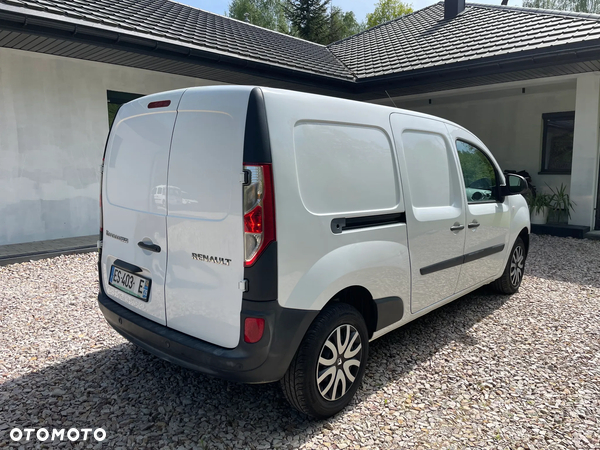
[{"x": 263, "y": 362}]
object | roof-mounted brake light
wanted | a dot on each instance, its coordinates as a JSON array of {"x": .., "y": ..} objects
[{"x": 160, "y": 104}]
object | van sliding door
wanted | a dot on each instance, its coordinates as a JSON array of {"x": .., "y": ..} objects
[{"x": 435, "y": 214}]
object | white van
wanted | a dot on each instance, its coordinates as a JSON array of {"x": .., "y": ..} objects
[{"x": 310, "y": 226}]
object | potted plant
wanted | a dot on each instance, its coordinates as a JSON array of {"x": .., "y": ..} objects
[
  {"x": 561, "y": 204},
  {"x": 539, "y": 207}
]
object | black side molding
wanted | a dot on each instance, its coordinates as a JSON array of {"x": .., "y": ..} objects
[
  {"x": 389, "y": 310},
  {"x": 469, "y": 257},
  {"x": 483, "y": 253},
  {"x": 126, "y": 266},
  {"x": 353, "y": 223},
  {"x": 443, "y": 265}
]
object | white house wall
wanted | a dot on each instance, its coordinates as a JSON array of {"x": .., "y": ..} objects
[
  {"x": 509, "y": 122},
  {"x": 53, "y": 127},
  {"x": 585, "y": 149}
]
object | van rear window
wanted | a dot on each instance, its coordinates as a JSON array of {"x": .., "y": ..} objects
[
  {"x": 345, "y": 168},
  {"x": 137, "y": 160}
]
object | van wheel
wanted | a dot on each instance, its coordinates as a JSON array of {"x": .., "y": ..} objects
[
  {"x": 330, "y": 363},
  {"x": 511, "y": 279}
]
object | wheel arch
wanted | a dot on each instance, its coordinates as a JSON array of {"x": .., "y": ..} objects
[
  {"x": 361, "y": 299},
  {"x": 372, "y": 271},
  {"x": 524, "y": 235}
]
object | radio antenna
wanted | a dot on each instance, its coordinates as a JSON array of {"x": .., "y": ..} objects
[{"x": 391, "y": 99}]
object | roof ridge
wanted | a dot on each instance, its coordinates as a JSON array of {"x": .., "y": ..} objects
[
  {"x": 244, "y": 22},
  {"x": 385, "y": 23},
  {"x": 547, "y": 12}
]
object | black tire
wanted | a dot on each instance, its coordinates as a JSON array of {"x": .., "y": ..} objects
[
  {"x": 512, "y": 276},
  {"x": 300, "y": 385}
]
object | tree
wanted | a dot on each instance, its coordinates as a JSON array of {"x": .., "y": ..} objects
[
  {"x": 386, "y": 10},
  {"x": 543, "y": 4},
  {"x": 264, "y": 13},
  {"x": 342, "y": 24},
  {"x": 585, "y": 6},
  {"x": 309, "y": 19}
]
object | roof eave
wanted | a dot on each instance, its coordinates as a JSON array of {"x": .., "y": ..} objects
[
  {"x": 42, "y": 23},
  {"x": 533, "y": 59}
]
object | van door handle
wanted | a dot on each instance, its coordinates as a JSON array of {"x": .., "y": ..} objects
[
  {"x": 457, "y": 227},
  {"x": 474, "y": 224},
  {"x": 151, "y": 247}
]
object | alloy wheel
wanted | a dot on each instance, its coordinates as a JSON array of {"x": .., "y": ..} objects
[
  {"x": 517, "y": 263},
  {"x": 339, "y": 362}
]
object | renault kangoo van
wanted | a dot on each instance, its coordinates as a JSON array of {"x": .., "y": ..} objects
[{"x": 263, "y": 235}]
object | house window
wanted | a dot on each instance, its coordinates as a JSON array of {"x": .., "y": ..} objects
[
  {"x": 115, "y": 101},
  {"x": 557, "y": 146}
]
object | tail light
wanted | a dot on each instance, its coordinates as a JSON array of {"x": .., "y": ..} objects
[
  {"x": 253, "y": 329},
  {"x": 259, "y": 211}
]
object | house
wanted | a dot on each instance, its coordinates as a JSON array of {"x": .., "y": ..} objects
[{"x": 526, "y": 81}]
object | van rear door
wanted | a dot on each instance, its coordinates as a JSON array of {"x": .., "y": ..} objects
[
  {"x": 205, "y": 216},
  {"x": 134, "y": 251}
]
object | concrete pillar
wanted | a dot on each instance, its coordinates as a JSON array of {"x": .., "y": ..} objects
[{"x": 584, "y": 172}]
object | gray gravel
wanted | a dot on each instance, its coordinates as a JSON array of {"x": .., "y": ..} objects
[{"x": 486, "y": 371}]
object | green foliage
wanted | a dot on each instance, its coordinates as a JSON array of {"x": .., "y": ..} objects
[
  {"x": 538, "y": 203},
  {"x": 585, "y": 6},
  {"x": 386, "y": 10},
  {"x": 309, "y": 19},
  {"x": 476, "y": 167},
  {"x": 543, "y": 4},
  {"x": 264, "y": 13},
  {"x": 113, "y": 109},
  {"x": 342, "y": 24},
  {"x": 561, "y": 203}
]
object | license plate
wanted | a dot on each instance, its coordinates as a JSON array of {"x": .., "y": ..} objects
[{"x": 132, "y": 284}]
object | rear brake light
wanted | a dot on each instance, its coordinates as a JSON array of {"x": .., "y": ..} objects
[
  {"x": 259, "y": 211},
  {"x": 253, "y": 221},
  {"x": 161, "y": 104},
  {"x": 253, "y": 329}
]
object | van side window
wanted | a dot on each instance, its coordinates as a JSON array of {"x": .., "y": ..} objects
[
  {"x": 429, "y": 178},
  {"x": 478, "y": 172}
]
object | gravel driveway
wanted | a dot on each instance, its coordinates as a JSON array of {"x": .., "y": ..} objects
[{"x": 486, "y": 371}]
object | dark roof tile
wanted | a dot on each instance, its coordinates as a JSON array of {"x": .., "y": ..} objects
[
  {"x": 169, "y": 20},
  {"x": 422, "y": 39},
  {"x": 425, "y": 39}
]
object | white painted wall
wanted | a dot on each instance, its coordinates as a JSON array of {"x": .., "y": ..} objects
[
  {"x": 54, "y": 122},
  {"x": 508, "y": 121},
  {"x": 584, "y": 173},
  {"x": 53, "y": 127}
]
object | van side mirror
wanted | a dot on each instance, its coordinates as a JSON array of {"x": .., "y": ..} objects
[{"x": 516, "y": 184}]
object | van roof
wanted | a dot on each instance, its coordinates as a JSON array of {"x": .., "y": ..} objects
[{"x": 294, "y": 94}]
